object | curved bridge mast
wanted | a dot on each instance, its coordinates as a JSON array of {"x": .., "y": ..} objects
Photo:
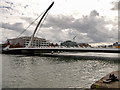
[{"x": 30, "y": 43}]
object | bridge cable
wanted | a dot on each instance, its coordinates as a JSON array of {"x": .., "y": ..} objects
[
  {"x": 29, "y": 25},
  {"x": 42, "y": 22}
]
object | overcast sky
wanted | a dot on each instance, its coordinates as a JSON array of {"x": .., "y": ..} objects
[{"x": 91, "y": 21}]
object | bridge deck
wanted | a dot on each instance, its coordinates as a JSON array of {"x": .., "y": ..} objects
[{"x": 56, "y": 49}]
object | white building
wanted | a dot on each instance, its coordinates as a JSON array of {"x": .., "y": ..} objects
[{"x": 37, "y": 42}]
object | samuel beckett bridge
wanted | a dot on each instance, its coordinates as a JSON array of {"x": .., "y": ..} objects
[
  {"x": 29, "y": 50},
  {"x": 57, "y": 50}
]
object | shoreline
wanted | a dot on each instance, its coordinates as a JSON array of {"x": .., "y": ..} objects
[{"x": 100, "y": 84}]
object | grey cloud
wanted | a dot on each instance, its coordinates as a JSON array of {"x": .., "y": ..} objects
[
  {"x": 116, "y": 5},
  {"x": 7, "y": 7},
  {"x": 91, "y": 24},
  {"x": 27, "y": 19},
  {"x": 61, "y": 21},
  {"x": 18, "y": 27},
  {"x": 90, "y": 28},
  {"x": 25, "y": 6},
  {"x": 31, "y": 21},
  {"x": 94, "y": 13},
  {"x": 9, "y": 2}
]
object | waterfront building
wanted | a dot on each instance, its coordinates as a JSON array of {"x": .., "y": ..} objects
[
  {"x": 69, "y": 43},
  {"x": 23, "y": 42},
  {"x": 53, "y": 45},
  {"x": 102, "y": 46},
  {"x": 117, "y": 44},
  {"x": 84, "y": 45}
]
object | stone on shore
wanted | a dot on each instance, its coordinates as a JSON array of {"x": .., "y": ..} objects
[{"x": 100, "y": 84}]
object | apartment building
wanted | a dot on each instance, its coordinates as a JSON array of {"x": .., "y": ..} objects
[{"x": 23, "y": 41}]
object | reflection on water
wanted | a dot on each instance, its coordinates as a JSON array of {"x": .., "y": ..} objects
[
  {"x": 91, "y": 54},
  {"x": 20, "y": 71}
]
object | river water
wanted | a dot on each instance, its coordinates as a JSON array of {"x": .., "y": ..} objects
[{"x": 24, "y": 71}]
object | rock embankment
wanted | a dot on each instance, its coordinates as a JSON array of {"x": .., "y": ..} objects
[{"x": 101, "y": 84}]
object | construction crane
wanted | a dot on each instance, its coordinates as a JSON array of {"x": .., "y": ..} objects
[{"x": 74, "y": 38}]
